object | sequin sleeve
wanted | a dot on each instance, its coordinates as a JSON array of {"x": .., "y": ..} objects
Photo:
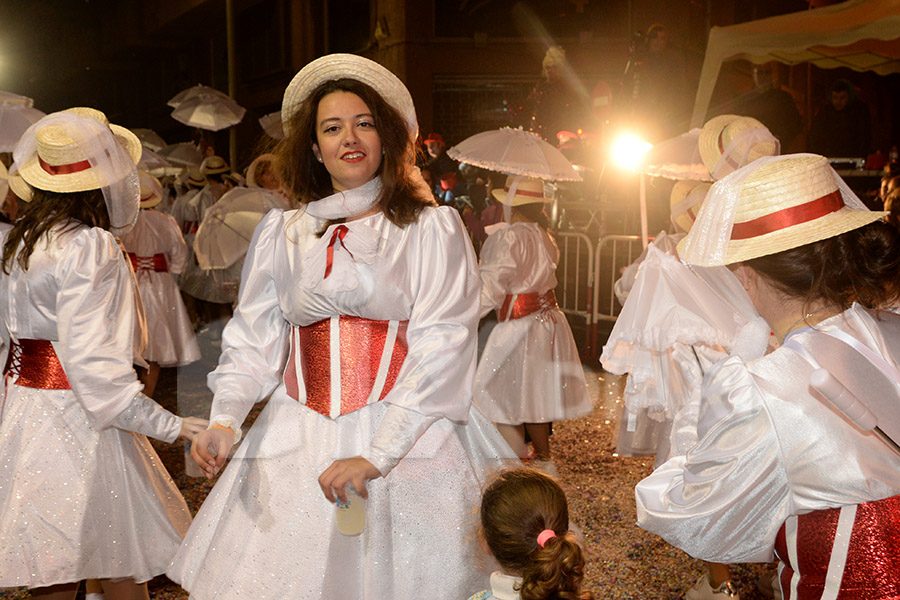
[
  {"x": 497, "y": 268},
  {"x": 95, "y": 323},
  {"x": 177, "y": 251},
  {"x": 255, "y": 341},
  {"x": 724, "y": 500}
]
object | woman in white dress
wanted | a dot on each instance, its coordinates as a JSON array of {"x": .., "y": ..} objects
[
  {"x": 530, "y": 373},
  {"x": 82, "y": 493},
  {"x": 157, "y": 251},
  {"x": 357, "y": 313},
  {"x": 777, "y": 468}
]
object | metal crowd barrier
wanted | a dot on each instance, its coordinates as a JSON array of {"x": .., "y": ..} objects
[{"x": 575, "y": 274}]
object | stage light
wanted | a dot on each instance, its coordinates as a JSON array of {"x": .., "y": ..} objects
[{"x": 628, "y": 149}]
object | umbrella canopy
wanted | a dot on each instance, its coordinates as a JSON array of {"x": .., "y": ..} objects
[
  {"x": 676, "y": 158},
  {"x": 150, "y": 160},
  {"x": 183, "y": 154},
  {"x": 196, "y": 92},
  {"x": 517, "y": 152},
  {"x": 227, "y": 227},
  {"x": 16, "y": 115},
  {"x": 209, "y": 112},
  {"x": 150, "y": 139},
  {"x": 271, "y": 124}
]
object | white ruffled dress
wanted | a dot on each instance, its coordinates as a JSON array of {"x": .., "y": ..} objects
[
  {"x": 266, "y": 531},
  {"x": 82, "y": 492},
  {"x": 530, "y": 370},
  {"x": 170, "y": 338}
]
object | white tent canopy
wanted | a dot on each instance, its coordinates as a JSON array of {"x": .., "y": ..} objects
[{"x": 863, "y": 35}]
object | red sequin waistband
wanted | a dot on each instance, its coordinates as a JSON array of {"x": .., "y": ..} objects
[
  {"x": 157, "y": 262},
  {"x": 368, "y": 356},
  {"x": 516, "y": 306},
  {"x": 852, "y": 553},
  {"x": 35, "y": 365}
]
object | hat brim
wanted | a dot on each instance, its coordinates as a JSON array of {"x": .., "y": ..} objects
[
  {"x": 20, "y": 187},
  {"x": 831, "y": 225},
  {"x": 708, "y": 142},
  {"x": 151, "y": 201},
  {"x": 349, "y": 66},
  {"x": 502, "y": 196}
]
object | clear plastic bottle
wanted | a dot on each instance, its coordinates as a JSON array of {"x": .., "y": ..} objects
[{"x": 351, "y": 515}]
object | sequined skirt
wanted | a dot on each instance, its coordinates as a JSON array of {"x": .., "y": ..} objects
[
  {"x": 530, "y": 372},
  {"x": 267, "y": 532},
  {"x": 76, "y": 503}
]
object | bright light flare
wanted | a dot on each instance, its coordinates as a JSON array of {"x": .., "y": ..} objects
[{"x": 628, "y": 149}]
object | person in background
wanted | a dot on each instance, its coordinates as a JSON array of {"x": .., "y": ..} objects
[
  {"x": 843, "y": 127},
  {"x": 771, "y": 105},
  {"x": 525, "y": 526},
  {"x": 438, "y": 162}
]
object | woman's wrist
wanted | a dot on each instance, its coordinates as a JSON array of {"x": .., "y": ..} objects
[{"x": 226, "y": 422}]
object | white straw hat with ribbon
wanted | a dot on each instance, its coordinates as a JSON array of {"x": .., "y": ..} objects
[
  {"x": 728, "y": 142},
  {"x": 214, "y": 165},
  {"x": 349, "y": 66},
  {"x": 772, "y": 205},
  {"x": 685, "y": 201},
  {"x": 125, "y": 137},
  {"x": 521, "y": 190},
  {"x": 67, "y": 152},
  {"x": 151, "y": 190}
]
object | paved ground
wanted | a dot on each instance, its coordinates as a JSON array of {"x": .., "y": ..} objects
[{"x": 625, "y": 563}]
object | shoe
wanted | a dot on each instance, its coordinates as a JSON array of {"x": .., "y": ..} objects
[
  {"x": 547, "y": 466},
  {"x": 769, "y": 586},
  {"x": 702, "y": 590}
]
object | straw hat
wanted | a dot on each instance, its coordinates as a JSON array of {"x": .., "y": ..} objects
[
  {"x": 214, "y": 165},
  {"x": 685, "y": 201},
  {"x": 252, "y": 176},
  {"x": 718, "y": 133},
  {"x": 349, "y": 66},
  {"x": 128, "y": 140},
  {"x": 195, "y": 178},
  {"x": 529, "y": 191},
  {"x": 60, "y": 165},
  {"x": 782, "y": 203},
  {"x": 151, "y": 190},
  {"x": 18, "y": 185}
]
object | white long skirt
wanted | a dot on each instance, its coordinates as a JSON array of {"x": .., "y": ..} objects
[
  {"x": 267, "y": 532},
  {"x": 170, "y": 336},
  {"x": 530, "y": 372},
  {"x": 76, "y": 503}
]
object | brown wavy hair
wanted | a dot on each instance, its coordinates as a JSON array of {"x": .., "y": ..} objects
[
  {"x": 45, "y": 211},
  {"x": 515, "y": 508},
  {"x": 862, "y": 265},
  {"x": 402, "y": 198}
]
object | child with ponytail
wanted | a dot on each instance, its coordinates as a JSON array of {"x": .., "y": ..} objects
[{"x": 525, "y": 526}]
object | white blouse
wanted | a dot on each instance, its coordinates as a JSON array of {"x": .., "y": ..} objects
[{"x": 769, "y": 449}]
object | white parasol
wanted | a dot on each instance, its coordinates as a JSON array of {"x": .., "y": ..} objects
[
  {"x": 150, "y": 139},
  {"x": 182, "y": 154},
  {"x": 196, "y": 91},
  {"x": 17, "y": 113},
  {"x": 209, "y": 112},
  {"x": 227, "y": 227},
  {"x": 271, "y": 124},
  {"x": 676, "y": 158},
  {"x": 514, "y": 151},
  {"x": 150, "y": 160}
]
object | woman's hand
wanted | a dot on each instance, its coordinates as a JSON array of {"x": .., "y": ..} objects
[
  {"x": 210, "y": 448},
  {"x": 356, "y": 470},
  {"x": 191, "y": 426}
]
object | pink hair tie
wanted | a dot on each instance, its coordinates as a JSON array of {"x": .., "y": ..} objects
[{"x": 544, "y": 536}]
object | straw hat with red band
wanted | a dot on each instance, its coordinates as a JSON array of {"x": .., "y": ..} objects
[
  {"x": 772, "y": 205},
  {"x": 151, "y": 190},
  {"x": 528, "y": 191},
  {"x": 214, "y": 165},
  {"x": 717, "y": 136},
  {"x": 349, "y": 66},
  {"x": 685, "y": 201},
  {"x": 125, "y": 137}
]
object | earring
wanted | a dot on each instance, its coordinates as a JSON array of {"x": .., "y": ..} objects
[{"x": 320, "y": 159}]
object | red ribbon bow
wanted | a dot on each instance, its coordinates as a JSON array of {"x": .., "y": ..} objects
[{"x": 340, "y": 232}]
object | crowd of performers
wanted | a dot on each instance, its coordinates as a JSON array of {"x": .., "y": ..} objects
[{"x": 354, "y": 309}]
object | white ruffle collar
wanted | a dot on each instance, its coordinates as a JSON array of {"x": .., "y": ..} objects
[
  {"x": 503, "y": 586},
  {"x": 347, "y": 204}
]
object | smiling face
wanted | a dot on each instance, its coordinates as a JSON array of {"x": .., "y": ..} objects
[{"x": 347, "y": 141}]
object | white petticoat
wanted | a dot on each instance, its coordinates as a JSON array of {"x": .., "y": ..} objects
[
  {"x": 266, "y": 530},
  {"x": 76, "y": 503},
  {"x": 170, "y": 336},
  {"x": 530, "y": 372}
]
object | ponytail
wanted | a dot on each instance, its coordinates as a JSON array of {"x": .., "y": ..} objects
[{"x": 556, "y": 571}]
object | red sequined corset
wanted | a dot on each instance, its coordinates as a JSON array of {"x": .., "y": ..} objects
[
  {"x": 34, "y": 364},
  {"x": 157, "y": 262},
  {"x": 346, "y": 362},
  {"x": 516, "y": 306}
]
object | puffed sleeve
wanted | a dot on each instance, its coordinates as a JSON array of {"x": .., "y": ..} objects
[
  {"x": 255, "y": 340},
  {"x": 497, "y": 268},
  {"x": 725, "y": 500},
  {"x": 177, "y": 251},
  {"x": 436, "y": 377},
  {"x": 95, "y": 309}
]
